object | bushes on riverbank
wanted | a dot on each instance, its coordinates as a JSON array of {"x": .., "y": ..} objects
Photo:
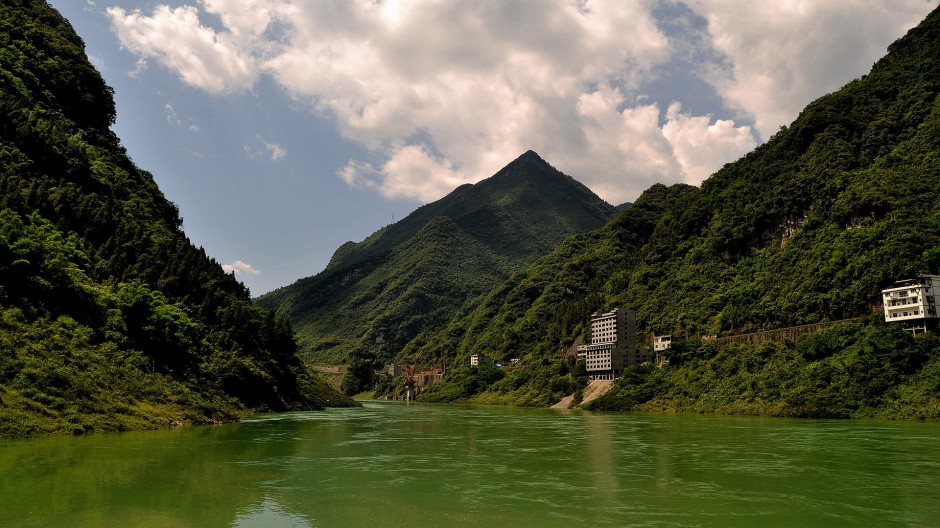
[
  {"x": 57, "y": 376},
  {"x": 852, "y": 370},
  {"x": 529, "y": 385}
]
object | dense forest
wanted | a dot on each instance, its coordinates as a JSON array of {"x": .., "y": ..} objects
[
  {"x": 807, "y": 228},
  {"x": 414, "y": 277},
  {"x": 110, "y": 318}
]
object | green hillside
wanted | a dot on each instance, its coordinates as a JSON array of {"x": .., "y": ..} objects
[
  {"x": 417, "y": 275},
  {"x": 807, "y": 228},
  {"x": 110, "y": 318}
]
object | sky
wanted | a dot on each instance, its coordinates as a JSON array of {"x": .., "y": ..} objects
[{"x": 284, "y": 128}]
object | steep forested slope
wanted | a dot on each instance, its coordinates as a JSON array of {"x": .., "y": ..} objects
[
  {"x": 415, "y": 276},
  {"x": 806, "y": 228},
  {"x": 109, "y": 317}
]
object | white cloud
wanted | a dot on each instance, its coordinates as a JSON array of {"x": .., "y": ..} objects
[
  {"x": 410, "y": 172},
  {"x": 478, "y": 82},
  {"x": 446, "y": 92},
  {"x": 786, "y": 54},
  {"x": 626, "y": 143},
  {"x": 628, "y": 147},
  {"x": 174, "y": 119},
  {"x": 97, "y": 62},
  {"x": 267, "y": 149},
  {"x": 701, "y": 146},
  {"x": 239, "y": 267},
  {"x": 203, "y": 58},
  {"x": 276, "y": 151},
  {"x": 139, "y": 68}
]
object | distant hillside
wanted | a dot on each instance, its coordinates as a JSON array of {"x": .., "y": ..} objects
[
  {"x": 806, "y": 228},
  {"x": 110, "y": 318},
  {"x": 416, "y": 275}
]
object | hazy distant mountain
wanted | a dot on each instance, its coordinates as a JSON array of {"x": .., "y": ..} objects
[{"x": 414, "y": 276}]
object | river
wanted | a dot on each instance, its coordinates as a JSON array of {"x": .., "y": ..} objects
[{"x": 395, "y": 464}]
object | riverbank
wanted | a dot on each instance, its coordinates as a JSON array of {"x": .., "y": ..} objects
[
  {"x": 862, "y": 369},
  {"x": 595, "y": 389},
  {"x": 852, "y": 370}
]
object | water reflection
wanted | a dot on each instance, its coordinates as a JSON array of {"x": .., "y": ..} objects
[
  {"x": 391, "y": 464},
  {"x": 269, "y": 513},
  {"x": 601, "y": 456}
]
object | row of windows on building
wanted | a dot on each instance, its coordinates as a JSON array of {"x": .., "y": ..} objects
[
  {"x": 912, "y": 303},
  {"x": 905, "y": 302},
  {"x": 905, "y": 314}
]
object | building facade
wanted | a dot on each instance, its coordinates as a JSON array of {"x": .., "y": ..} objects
[
  {"x": 477, "y": 359},
  {"x": 612, "y": 344},
  {"x": 912, "y": 303},
  {"x": 663, "y": 343},
  {"x": 428, "y": 378}
]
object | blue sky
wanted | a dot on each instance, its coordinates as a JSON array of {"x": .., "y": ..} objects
[{"x": 283, "y": 128}]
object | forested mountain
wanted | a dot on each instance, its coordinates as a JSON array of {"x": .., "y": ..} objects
[
  {"x": 807, "y": 228},
  {"x": 413, "y": 277},
  {"x": 109, "y": 317}
]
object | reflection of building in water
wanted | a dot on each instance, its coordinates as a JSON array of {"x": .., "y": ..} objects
[
  {"x": 913, "y": 303},
  {"x": 269, "y": 513},
  {"x": 602, "y": 454},
  {"x": 613, "y": 344}
]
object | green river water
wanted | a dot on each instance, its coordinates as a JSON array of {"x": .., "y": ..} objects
[{"x": 392, "y": 464}]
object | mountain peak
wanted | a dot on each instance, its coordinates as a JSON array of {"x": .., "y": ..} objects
[
  {"x": 528, "y": 158},
  {"x": 434, "y": 264},
  {"x": 530, "y": 155}
]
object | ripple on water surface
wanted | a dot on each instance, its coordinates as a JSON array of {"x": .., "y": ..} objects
[{"x": 392, "y": 464}]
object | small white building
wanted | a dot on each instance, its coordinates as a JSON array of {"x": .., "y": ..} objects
[
  {"x": 913, "y": 303},
  {"x": 663, "y": 343},
  {"x": 477, "y": 359}
]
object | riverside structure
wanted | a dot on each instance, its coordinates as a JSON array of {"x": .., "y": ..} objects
[
  {"x": 613, "y": 344},
  {"x": 913, "y": 303}
]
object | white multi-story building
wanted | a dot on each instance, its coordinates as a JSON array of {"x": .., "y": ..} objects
[
  {"x": 661, "y": 343},
  {"x": 913, "y": 303},
  {"x": 613, "y": 344},
  {"x": 477, "y": 359}
]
